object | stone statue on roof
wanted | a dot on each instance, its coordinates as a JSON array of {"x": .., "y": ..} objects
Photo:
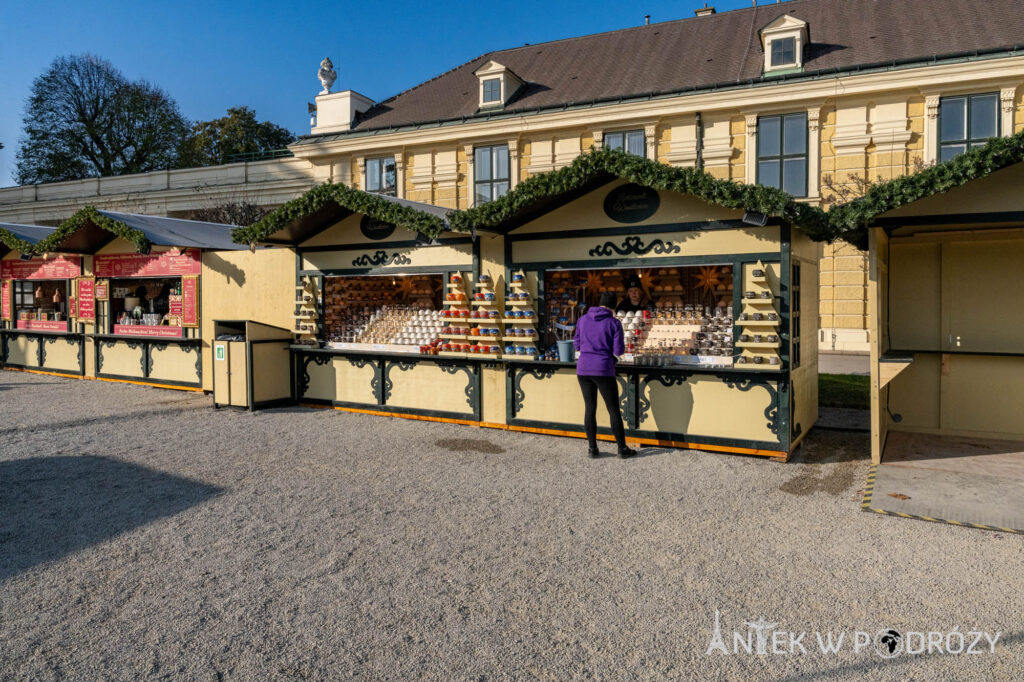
[{"x": 327, "y": 75}]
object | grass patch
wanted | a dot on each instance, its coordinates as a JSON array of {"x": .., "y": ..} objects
[{"x": 844, "y": 390}]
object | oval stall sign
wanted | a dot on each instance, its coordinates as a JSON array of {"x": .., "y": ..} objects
[
  {"x": 375, "y": 229},
  {"x": 631, "y": 203}
]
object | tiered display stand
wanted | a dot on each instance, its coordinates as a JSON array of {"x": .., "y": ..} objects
[
  {"x": 765, "y": 305},
  {"x": 307, "y": 313}
]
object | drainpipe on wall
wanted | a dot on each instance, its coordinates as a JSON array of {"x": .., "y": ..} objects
[{"x": 700, "y": 142}]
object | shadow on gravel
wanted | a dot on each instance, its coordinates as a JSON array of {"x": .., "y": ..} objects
[
  {"x": 829, "y": 462},
  {"x": 53, "y": 506},
  {"x": 127, "y": 417}
]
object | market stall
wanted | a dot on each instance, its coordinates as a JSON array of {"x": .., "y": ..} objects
[
  {"x": 375, "y": 277},
  {"x": 138, "y": 298},
  {"x": 406, "y": 309},
  {"x": 36, "y": 292},
  {"x": 718, "y": 356},
  {"x": 946, "y": 248}
]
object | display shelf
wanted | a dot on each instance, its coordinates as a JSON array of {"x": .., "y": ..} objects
[
  {"x": 458, "y": 337},
  {"x": 758, "y": 368},
  {"x": 757, "y": 323},
  {"x": 760, "y": 301},
  {"x": 483, "y": 285},
  {"x": 526, "y": 302},
  {"x": 514, "y": 320},
  {"x": 758, "y": 344},
  {"x": 491, "y": 304},
  {"x": 526, "y": 339},
  {"x": 452, "y": 354}
]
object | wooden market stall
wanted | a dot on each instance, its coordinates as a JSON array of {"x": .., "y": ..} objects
[
  {"x": 725, "y": 359},
  {"x": 946, "y": 248},
  {"x": 136, "y": 293},
  {"x": 37, "y": 333},
  {"x": 371, "y": 280}
]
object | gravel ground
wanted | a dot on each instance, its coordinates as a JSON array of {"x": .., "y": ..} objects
[{"x": 144, "y": 535}]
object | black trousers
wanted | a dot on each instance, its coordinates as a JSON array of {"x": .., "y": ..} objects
[{"x": 609, "y": 389}]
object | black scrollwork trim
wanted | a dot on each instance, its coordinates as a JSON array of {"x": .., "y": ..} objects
[
  {"x": 634, "y": 245},
  {"x": 452, "y": 368},
  {"x": 666, "y": 380},
  {"x": 519, "y": 396},
  {"x": 388, "y": 385},
  {"x": 320, "y": 359},
  {"x": 381, "y": 258}
]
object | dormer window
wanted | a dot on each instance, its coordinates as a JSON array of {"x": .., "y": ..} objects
[
  {"x": 492, "y": 91},
  {"x": 784, "y": 52},
  {"x": 498, "y": 84},
  {"x": 784, "y": 41}
]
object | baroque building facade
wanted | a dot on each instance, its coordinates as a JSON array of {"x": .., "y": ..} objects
[{"x": 818, "y": 97}]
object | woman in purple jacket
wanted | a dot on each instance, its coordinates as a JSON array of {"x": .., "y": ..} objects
[{"x": 599, "y": 339}]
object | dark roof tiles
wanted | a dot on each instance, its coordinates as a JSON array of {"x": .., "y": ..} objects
[{"x": 705, "y": 51}]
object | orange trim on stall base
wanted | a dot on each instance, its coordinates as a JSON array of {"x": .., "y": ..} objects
[
  {"x": 777, "y": 455},
  {"x": 49, "y": 374},
  {"x": 151, "y": 385}
]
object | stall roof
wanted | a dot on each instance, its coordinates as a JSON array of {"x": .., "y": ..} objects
[
  {"x": 545, "y": 192},
  {"x": 89, "y": 229},
  {"x": 15, "y": 237},
  {"x": 324, "y": 205},
  {"x": 852, "y": 220}
]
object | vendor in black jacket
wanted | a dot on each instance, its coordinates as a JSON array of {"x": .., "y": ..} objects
[{"x": 635, "y": 299}]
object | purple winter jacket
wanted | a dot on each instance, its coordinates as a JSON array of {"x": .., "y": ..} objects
[{"x": 598, "y": 338}]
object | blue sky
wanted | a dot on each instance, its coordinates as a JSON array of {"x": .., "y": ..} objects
[{"x": 213, "y": 55}]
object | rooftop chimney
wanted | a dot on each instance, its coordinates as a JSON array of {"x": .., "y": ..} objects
[
  {"x": 704, "y": 11},
  {"x": 647, "y": 20}
]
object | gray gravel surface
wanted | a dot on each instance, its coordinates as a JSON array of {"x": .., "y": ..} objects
[{"x": 144, "y": 535}]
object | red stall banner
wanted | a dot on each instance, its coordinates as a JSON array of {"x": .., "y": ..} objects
[
  {"x": 102, "y": 290},
  {"x": 57, "y": 267},
  {"x": 5, "y": 299},
  {"x": 87, "y": 299},
  {"x": 161, "y": 264},
  {"x": 72, "y": 307},
  {"x": 43, "y": 325},
  {"x": 190, "y": 301},
  {"x": 161, "y": 331}
]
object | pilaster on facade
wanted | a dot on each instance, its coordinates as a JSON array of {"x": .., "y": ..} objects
[
  {"x": 651, "y": 138},
  {"x": 814, "y": 153},
  {"x": 1008, "y": 106},
  {"x": 717, "y": 148},
  {"x": 931, "y": 129},
  {"x": 751, "y": 147},
  {"x": 361, "y": 177},
  {"x": 399, "y": 174},
  {"x": 467, "y": 149},
  {"x": 341, "y": 171},
  {"x": 513, "y": 162},
  {"x": 598, "y": 140}
]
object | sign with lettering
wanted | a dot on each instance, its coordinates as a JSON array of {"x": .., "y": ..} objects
[
  {"x": 58, "y": 267},
  {"x": 102, "y": 290},
  {"x": 189, "y": 301},
  {"x": 631, "y": 203},
  {"x": 162, "y": 264},
  {"x": 72, "y": 307},
  {"x": 43, "y": 325},
  {"x": 86, "y": 298},
  {"x": 159, "y": 331},
  {"x": 375, "y": 229},
  {"x": 5, "y": 299}
]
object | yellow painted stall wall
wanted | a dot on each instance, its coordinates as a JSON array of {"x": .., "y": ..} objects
[{"x": 242, "y": 285}]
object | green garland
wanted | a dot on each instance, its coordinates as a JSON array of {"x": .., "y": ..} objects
[
  {"x": 851, "y": 220},
  {"x": 14, "y": 243},
  {"x": 90, "y": 215},
  {"x": 352, "y": 199},
  {"x": 596, "y": 164}
]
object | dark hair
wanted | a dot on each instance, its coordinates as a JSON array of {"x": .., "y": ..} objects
[
  {"x": 607, "y": 300},
  {"x": 634, "y": 282}
]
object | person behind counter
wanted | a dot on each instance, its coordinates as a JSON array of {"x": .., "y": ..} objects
[
  {"x": 635, "y": 300},
  {"x": 598, "y": 339}
]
